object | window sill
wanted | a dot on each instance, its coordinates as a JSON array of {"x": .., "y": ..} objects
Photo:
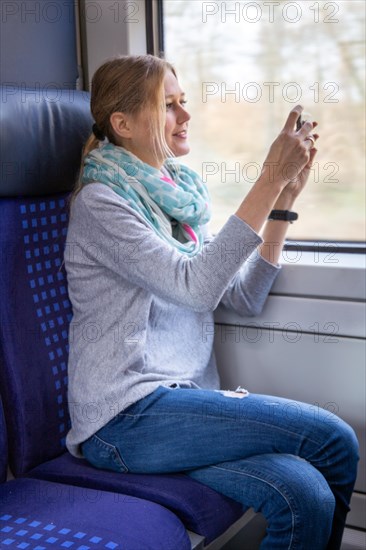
[{"x": 330, "y": 275}]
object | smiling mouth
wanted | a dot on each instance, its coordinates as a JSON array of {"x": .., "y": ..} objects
[{"x": 182, "y": 134}]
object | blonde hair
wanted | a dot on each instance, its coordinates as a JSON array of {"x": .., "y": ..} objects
[{"x": 128, "y": 84}]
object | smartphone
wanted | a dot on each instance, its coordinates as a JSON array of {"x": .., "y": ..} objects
[
  {"x": 299, "y": 123},
  {"x": 304, "y": 117}
]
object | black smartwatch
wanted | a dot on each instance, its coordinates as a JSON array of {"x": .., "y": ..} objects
[{"x": 283, "y": 215}]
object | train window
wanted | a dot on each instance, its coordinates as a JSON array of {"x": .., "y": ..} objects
[{"x": 244, "y": 65}]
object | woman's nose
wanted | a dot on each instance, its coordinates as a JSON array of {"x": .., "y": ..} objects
[{"x": 183, "y": 115}]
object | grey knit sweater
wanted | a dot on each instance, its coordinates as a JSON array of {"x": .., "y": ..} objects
[{"x": 142, "y": 311}]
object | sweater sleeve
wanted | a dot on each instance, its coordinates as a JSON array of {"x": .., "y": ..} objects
[
  {"x": 249, "y": 288},
  {"x": 105, "y": 231}
]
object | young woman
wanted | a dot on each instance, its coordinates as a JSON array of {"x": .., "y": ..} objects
[{"x": 144, "y": 279}]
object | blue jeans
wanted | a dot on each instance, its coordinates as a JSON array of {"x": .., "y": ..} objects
[{"x": 293, "y": 462}]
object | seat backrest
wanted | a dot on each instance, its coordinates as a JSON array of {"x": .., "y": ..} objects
[
  {"x": 41, "y": 138},
  {"x": 3, "y": 446}
]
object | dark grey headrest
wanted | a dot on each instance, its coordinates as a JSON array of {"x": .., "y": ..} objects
[{"x": 42, "y": 133}]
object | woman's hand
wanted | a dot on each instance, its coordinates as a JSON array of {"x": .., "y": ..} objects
[
  {"x": 284, "y": 174},
  {"x": 291, "y": 155},
  {"x": 301, "y": 145}
]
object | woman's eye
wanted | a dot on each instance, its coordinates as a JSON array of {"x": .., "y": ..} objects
[{"x": 182, "y": 103}]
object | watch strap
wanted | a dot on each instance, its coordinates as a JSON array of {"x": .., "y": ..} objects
[{"x": 283, "y": 215}]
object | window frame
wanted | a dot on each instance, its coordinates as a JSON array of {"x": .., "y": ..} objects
[{"x": 154, "y": 11}]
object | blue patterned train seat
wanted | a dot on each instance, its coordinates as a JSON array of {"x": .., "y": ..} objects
[{"x": 41, "y": 141}]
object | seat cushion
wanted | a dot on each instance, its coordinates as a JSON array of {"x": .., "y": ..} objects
[
  {"x": 200, "y": 508},
  {"x": 40, "y": 515}
]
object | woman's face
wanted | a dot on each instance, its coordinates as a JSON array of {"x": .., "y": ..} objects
[
  {"x": 136, "y": 134},
  {"x": 176, "y": 124}
]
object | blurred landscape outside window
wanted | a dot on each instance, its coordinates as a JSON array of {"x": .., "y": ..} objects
[{"x": 244, "y": 66}]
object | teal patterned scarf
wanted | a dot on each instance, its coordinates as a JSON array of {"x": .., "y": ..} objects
[{"x": 177, "y": 192}]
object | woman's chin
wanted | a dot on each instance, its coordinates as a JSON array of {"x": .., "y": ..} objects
[{"x": 180, "y": 150}]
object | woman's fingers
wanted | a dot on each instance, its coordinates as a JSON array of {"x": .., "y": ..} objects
[
  {"x": 305, "y": 129},
  {"x": 312, "y": 154},
  {"x": 292, "y": 118},
  {"x": 310, "y": 140},
  {"x": 292, "y": 153}
]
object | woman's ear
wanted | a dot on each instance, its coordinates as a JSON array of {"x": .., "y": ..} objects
[{"x": 121, "y": 125}]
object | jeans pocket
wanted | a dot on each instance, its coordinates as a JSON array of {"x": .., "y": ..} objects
[{"x": 103, "y": 455}]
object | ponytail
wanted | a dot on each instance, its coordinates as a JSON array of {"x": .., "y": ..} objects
[{"x": 91, "y": 143}]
